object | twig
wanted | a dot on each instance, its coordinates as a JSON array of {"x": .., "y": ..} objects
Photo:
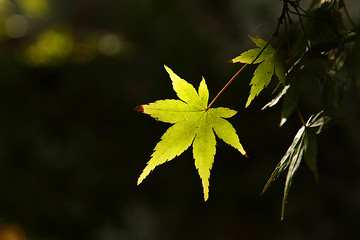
[
  {"x": 301, "y": 33},
  {"x": 303, "y": 29},
  {"x": 299, "y": 14},
  {"x": 287, "y": 39},
  {"x": 347, "y": 15}
]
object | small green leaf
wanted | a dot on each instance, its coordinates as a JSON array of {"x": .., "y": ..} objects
[
  {"x": 295, "y": 161},
  {"x": 303, "y": 145},
  {"x": 270, "y": 62},
  {"x": 290, "y": 160},
  {"x": 194, "y": 124},
  {"x": 286, "y": 159}
]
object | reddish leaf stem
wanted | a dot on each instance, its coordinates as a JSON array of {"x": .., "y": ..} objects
[
  {"x": 300, "y": 116},
  {"x": 225, "y": 87},
  {"x": 348, "y": 16}
]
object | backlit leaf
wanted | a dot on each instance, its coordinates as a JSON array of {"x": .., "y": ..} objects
[
  {"x": 275, "y": 100},
  {"x": 270, "y": 63},
  {"x": 194, "y": 124}
]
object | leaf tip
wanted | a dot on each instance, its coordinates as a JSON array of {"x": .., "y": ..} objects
[
  {"x": 267, "y": 185},
  {"x": 252, "y": 38},
  {"x": 139, "y": 108},
  {"x": 168, "y": 70},
  {"x": 139, "y": 181},
  {"x": 283, "y": 121},
  {"x": 262, "y": 192},
  {"x": 231, "y": 61},
  {"x": 144, "y": 174},
  {"x": 246, "y": 155},
  {"x": 206, "y": 195}
]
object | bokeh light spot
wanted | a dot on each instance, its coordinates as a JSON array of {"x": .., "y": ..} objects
[
  {"x": 12, "y": 232},
  {"x": 16, "y": 26},
  {"x": 51, "y": 48},
  {"x": 109, "y": 44},
  {"x": 34, "y": 8}
]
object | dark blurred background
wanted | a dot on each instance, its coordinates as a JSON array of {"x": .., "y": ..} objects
[{"x": 72, "y": 146}]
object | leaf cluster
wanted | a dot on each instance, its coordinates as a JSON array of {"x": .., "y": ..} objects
[
  {"x": 303, "y": 145},
  {"x": 316, "y": 59},
  {"x": 318, "y": 55}
]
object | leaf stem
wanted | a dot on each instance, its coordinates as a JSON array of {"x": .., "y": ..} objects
[
  {"x": 347, "y": 15},
  {"x": 303, "y": 29},
  {"x": 223, "y": 89},
  {"x": 287, "y": 39},
  {"x": 300, "y": 116}
]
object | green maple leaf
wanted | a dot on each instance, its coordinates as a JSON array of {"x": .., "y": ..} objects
[
  {"x": 194, "y": 123},
  {"x": 269, "y": 61},
  {"x": 303, "y": 145}
]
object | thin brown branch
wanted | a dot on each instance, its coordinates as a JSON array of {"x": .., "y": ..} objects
[
  {"x": 301, "y": 33},
  {"x": 348, "y": 15},
  {"x": 303, "y": 29},
  {"x": 287, "y": 39},
  {"x": 299, "y": 14},
  {"x": 306, "y": 13}
]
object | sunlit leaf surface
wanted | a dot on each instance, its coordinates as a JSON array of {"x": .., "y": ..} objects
[
  {"x": 270, "y": 63},
  {"x": 194, "y": 124}
]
